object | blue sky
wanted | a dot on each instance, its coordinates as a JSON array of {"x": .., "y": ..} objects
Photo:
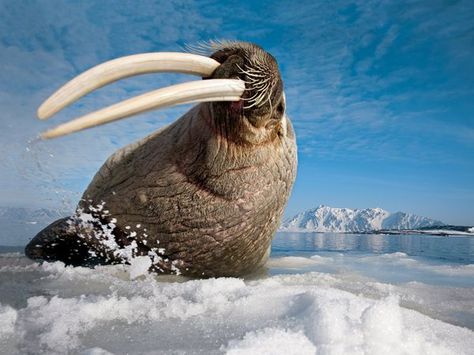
[{"x": 380, "y": 93}]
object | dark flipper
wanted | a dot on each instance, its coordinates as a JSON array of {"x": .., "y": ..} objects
[{"x": 60, "y": 242}]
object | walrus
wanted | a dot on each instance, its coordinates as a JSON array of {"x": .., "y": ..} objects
[{"x": 201, "y": 197}]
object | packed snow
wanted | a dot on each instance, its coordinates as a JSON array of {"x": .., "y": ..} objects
[
  {"x": 333, "y": 219},
  {"x": 324, "y": 303}
]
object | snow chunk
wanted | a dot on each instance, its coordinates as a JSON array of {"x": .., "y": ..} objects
[
  {"x": 269, "y": 341},
  {"x": 139, "y": 266},
  {"x": 295, "y": 262},
  {"x": 8, "y": 317},
  {"x": 96, "y": 351}
]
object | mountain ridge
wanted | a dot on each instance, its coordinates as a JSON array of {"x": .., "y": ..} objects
[{"x": 345, "y": 220}]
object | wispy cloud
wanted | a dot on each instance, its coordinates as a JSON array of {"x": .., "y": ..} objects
[{"x": 351, "y": 87}]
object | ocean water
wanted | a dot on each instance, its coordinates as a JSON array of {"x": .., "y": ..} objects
[{"x": 319, "y": 294}]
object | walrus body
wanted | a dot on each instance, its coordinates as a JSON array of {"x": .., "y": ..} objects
[{"x": 202, "y": 197}]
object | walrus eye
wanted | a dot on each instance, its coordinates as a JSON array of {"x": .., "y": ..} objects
[
  {"x": 108, "y": 72},
  {"x": 280, "y": 108}
]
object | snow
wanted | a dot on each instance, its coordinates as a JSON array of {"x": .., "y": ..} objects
[
  {"x": 295, "y": 262},
  {"x": 139, "y": 266},
  {"x": 272, "y": 341},
  {"x": 8, "y": 316},
  {"x": 341, "y": 220},
  {"x": 448, "y": 232},
  {"x": 96, "y": 351},
  {"x": 325, "y": 303}
]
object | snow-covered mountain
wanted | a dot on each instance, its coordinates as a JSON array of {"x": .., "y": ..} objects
[
  {"x": 18, "y": 225},
  {"x": 340, "y": 220},
  {"x": 402, "y": 220}
]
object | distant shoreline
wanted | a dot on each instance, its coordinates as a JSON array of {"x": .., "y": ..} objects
[{"x": 437, "y": 232}]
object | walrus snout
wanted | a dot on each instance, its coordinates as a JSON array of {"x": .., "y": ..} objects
[
  {"x": 262, "y": 102},
  {"x": 257, "y": 68}
]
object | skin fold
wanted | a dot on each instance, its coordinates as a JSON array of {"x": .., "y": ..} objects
[{"x": 202, "y": 197}]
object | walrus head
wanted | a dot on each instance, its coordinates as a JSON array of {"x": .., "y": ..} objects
[
  {"x": 261, "y": 108},
  {"x": 241, "y": 81}
]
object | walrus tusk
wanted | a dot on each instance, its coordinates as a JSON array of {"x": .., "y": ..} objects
[
  {"x": 120, "y": 68},
  {"x": 193, "y": 91}
]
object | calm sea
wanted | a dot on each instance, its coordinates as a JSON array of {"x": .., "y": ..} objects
[{"x": 456, "y": 249}]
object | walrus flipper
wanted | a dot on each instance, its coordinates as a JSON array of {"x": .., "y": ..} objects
[{"x": 60, "y": 242}]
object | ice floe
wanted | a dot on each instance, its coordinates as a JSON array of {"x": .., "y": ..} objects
[{"x": 120, "y": 309}]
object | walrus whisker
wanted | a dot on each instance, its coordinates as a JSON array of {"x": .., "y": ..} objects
[
  {"x": 257, "y": 70},
  {"x": 123, "y": 67},
  {"x": 257, "y": 82},
  {"x": 254, "y": 71},
  {"x": 258, "y": 79},
  {"x": 207, "y": 47},
  {"x": 257, "y": 85},
  {"x": 251, "y": 73},
  {"x": 253, "y": 99},
  {"x": 250, "y": 106},
  {"x": 259, "y": 97},
  {"x": 270, "y": 102},
  {"x": 202, "y": 47},
  {"x": 250, "y": 98},
  {"x": 190, "y": 92},
  {"x": 261, "y": 86},
  {"x": 255, "y": 95},
  {"x": 254, "y": 75},
  {"x": 254, "y": 103}
]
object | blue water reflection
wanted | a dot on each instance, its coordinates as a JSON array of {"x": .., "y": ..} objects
[{"x": 453, "y": 249}]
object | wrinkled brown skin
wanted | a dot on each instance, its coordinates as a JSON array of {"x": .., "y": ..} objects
[{"x": 210, "y": 188}]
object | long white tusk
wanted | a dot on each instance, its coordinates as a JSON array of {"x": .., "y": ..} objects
[
  {"x": 193, "y": 91},
  {"x": 119, "y": 68}
]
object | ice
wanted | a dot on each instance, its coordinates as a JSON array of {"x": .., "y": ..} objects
[
  {"x": 295, "y": 262},
  {"x": 272, "y": 341},
  {"x": 8, "y": 318},
  {"x": 325, "y": 303},
  {"x": 96, "y": 351},
  {"x": 139, "y": 266}
]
